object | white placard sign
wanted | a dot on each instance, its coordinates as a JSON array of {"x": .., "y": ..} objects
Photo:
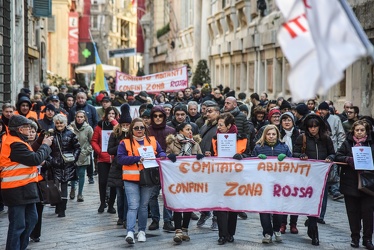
[
  {"x": 105, "y": 134},
  {"x": 147, "y": 153},
  {"x": 290, "y": 186},
  {"x": 226, "y": 145},
  {"x": 363, "y": 158}
]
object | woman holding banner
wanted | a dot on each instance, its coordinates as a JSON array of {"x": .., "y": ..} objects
[
  {"x": 226, "y": 219},
  {"x": 183, "y": 144},
  {"x": 129, "y": 156},
  {"x": 359, "y": 205},
  {"x": 270, "y": 145},
  {"x": 99, "y": 144},
  {"x": 314, "y": 144}
]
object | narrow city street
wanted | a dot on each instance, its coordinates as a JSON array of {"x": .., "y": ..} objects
[{"x": 84, "y": 228}]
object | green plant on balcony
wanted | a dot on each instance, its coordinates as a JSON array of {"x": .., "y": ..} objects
[{"x": 163, "y": 30}]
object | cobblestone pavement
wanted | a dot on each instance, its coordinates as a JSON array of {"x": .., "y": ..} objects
[{"x": 84, "y": 228}]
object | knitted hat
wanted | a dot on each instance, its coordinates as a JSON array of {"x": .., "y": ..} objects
[
  {"x": 18, "y": 120},
  {"x": 50, "y": 107},
  {"x": 244, "y": 107},
  {"x": 99, "y": 97},
  {"x": 180, "y": 107},
  {"x": 288, "y": 114},
  {"x": 285, "y": 104},
  {"x": 273, "y": 112},
  {"x": 105, "y": 99},
  {"x": 125, "y": 114},
  {"x": 143, "y": 93},
  {"x": 324, "y": 106},
  {"x": 230, "y": 93},
  {"x": 302, "y": 109},
  {"x": 147, "y": 113},
  {"x": 130, "y": 93},
  {"x": 167, "y": 105}
]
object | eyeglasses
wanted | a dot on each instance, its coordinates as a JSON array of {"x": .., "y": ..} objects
[
  {"x": 138, "y": 128},
  {"x": 158, "y": 116}
]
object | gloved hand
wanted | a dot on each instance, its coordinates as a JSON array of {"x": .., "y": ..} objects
[
  {"x": 281, "y": 157},
  {"x": 41, "y": 137},
  {"x": 329, "y": 159},
  {"x": 262, "y": 156},
  {"x": 199, "y": 156},
  {"x": 172, "y": 157},
  {"x": 237, "y": 157},
  {"x": 350, "y": 162},
  {"x": 303, "y": 157}
]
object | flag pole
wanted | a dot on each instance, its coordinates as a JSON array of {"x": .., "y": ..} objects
[{"x": 359, "y": 30}]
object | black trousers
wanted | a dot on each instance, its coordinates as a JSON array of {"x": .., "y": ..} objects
[
  {"x": 180, "y": 222},
  {"x": 360, "y": 208},
  {"x": 226, "y": 223},
  {"x": 38, "y": 227},
  {"x": 267, "y": 226},
  {"x": 293, "y": 219},
  {"x": 103, "y": 172}
]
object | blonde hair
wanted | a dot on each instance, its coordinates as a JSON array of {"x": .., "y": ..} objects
[{"x": 262, "y": 139}]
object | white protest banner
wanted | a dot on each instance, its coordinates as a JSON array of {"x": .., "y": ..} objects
[
  {"x": 173, "y": 80},
  {"x": 291, "y": 186},
  {"x": 363, "y": 158}
]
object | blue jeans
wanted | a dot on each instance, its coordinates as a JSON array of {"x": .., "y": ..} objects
[
  {"x": 324, "y": 203},
  {"x": 80, "y": 172},
  {"x": 154, "y": 207},
  {"x": 137, "y": 200},
  {"x": 22, "y": 220},
  {"x": 122, "y": 206}
]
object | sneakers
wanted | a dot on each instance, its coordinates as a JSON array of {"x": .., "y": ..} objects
[
  {"x": 91, "y": 180},
  {"x": 130, "y": 238},
  {"x": 203, "y": 218},
  {"x": 267, "y": 239},
  {"x": 178, "y": 237},
  {"x": 141, "y": 236},
  {"x": 154, "y": 225},
  {"x": 194, "y": 216},
  {"x": 242, "y": 215},
  {"x": 168, "y": 226},
  {"x": 321, "y": 221},
  {"x": 293, "y": 229},
  {"x": 283, "y": 228},
  {"x": 111, "y": 210},
  {"x": 337, "y": 196},
  {"x": 80, "y": 198},
  {"x": 185, "y": 236},
  {"x": 278, "y": 236},
  {"x": 214, "y": 226},
  {"x": 72, "y": 194}
]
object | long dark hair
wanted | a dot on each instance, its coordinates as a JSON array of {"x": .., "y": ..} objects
[
  {"x": 146, "y": 132},
  {"x": 107, "y": 110},
  {"x": 315, "y": 120}
]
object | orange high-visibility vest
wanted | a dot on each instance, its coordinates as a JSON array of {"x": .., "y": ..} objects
[
  {"x": 241, "y": 146},
  {"x": 14, "y": 174},
  {"x": 29, "y": 114},
  {"x": 131, "y": 172}
]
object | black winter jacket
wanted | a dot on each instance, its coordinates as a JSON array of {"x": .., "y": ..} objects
[
  {"x": 173, "y": 123},
  {"x": 348, "y": 175},
  {"x": 115, "y": 171},
  {"x": 318, "y": 149},
  {"x": 64, "y": 172}
]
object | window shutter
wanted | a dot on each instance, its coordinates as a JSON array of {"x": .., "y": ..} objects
[
  {"x": 42, "y": 8},
  {"x": 51, "y": 24}
]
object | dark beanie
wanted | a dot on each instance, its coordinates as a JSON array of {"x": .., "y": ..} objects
[
  {"x": 180, "y": 107},
  {"x": 18, "y": 120},
  {"x": 230, "y": 93},
  {"x": 285, "y": 104},
  {"x": 23, "y": 99},
  {"x": 244, "y": 107},
  {"x": 302, "y": 109},
  {"x": 125, "y": 114},
  {"x": 50, "y": 107},
  {"x": 324, "y": 106}
]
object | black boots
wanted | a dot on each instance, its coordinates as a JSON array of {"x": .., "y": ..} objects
[
  {"x": 61, "y": 207},
  {"x": 313, "y": 234},
  {"x": 368, "y": 244}
]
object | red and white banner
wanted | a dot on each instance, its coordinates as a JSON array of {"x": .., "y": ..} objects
[
  {"x": 320, "y": 42},
  {"x": 173, "y": 80},
  {"x": 291, "y": 186},
  {"x": 73, "y": 38}
]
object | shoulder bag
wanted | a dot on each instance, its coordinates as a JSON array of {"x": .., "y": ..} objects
[
  {"x": 67, "y": 157},
  {"x": 49, "y": 192},
  {"x": 366, "y": 182}
]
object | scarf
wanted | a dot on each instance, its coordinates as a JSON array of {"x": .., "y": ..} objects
[
  {"x": 78, "y": 125},
  {"x": 186, "y": 144},
  {"x": 287, "y": 138},
  {"x": 359, "y": 141}
]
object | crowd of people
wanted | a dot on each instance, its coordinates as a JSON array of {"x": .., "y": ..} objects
[{"x": 105, "y": 139}]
